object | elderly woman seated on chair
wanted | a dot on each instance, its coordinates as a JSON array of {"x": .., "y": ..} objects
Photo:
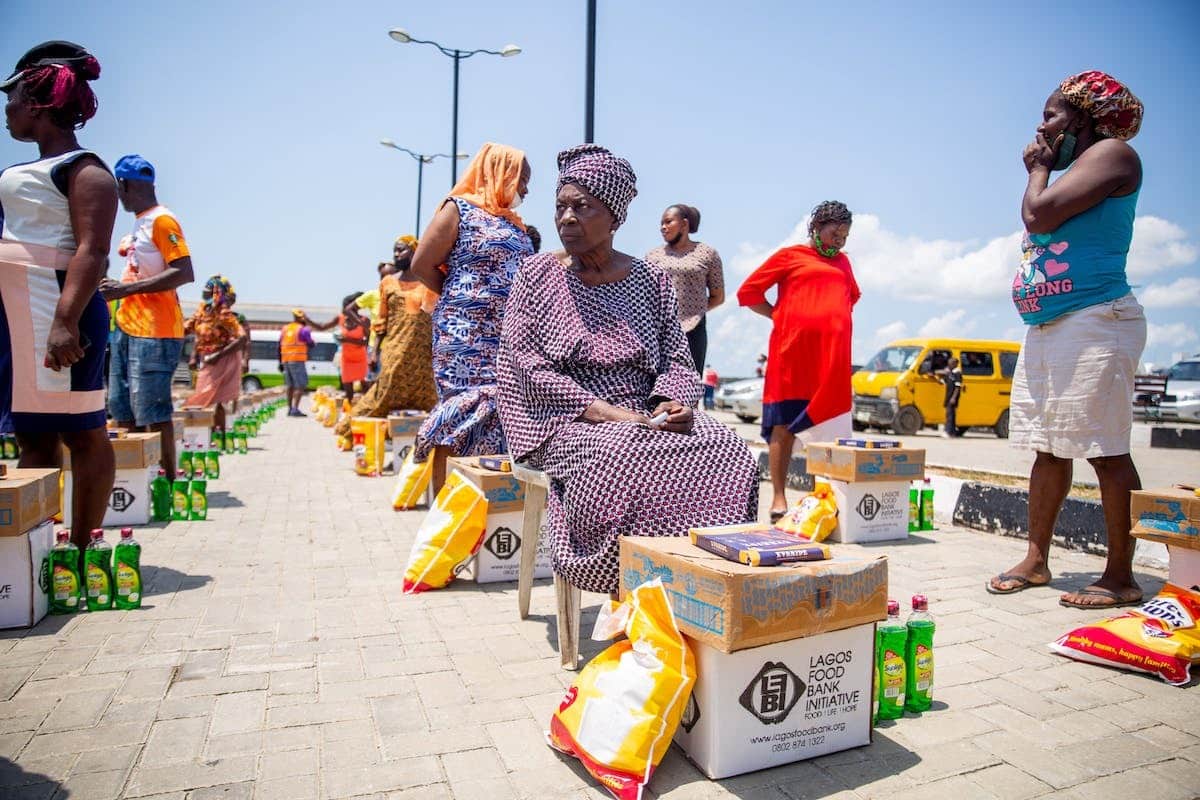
[{"x": 597, "y": 388}]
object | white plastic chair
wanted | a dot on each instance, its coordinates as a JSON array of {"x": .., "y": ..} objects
[{"x": 569, "y": 597}]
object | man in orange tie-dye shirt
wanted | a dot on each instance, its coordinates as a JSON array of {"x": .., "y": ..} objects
[{"x": 148, "y": 337}]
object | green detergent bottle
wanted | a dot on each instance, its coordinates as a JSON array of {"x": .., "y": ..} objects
[
  {"x": 243, "y": 446},
  {"x": 914, "y": 508},
  {"x": 64, "y": 575},
  {"x": 180, "y": 499},
  {"x": 185, "y": 461},
  {"x": 918, "y": 656},
  {"x": 127, "y": 571},
  {"x": 9, "y": 443},
  {"x": 160, "y": 497},
  {"x": 199, "y": 500},
  {"x": 212, "y": 463},
  {"x": 97, "y": 561},
  {"x": 890, "y": 637},
  {"x": 230, "y": 444},
  {"x": 927, "y": 505}
]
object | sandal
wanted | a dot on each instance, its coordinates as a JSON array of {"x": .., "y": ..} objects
[
  {"x": 1023, "y": 583},
  {"x": 1099, "y": 591},
  {"x": 776, "y": 516}
]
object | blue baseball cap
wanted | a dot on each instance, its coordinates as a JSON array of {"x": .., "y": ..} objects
[{"x": 134, "y": 168}]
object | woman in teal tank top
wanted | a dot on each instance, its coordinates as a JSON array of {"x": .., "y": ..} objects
[{"x": 1074, "y": 378}]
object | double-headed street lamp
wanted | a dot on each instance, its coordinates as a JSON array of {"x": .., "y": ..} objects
[
  {"x": 402, "y": 36},
  {"x": 421, "y": 160}
]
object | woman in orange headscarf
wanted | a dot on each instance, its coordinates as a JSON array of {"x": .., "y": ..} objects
[{"x": 469, "y": 254}]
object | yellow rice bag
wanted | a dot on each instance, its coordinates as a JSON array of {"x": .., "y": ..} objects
[
  {"x": 814, "y": 517},
  {"x": 621, "y": 714},
  {"x": 411, "y": 481},
  {"x": 448, "y": 538},
  {"x": 369, "y": 435}
]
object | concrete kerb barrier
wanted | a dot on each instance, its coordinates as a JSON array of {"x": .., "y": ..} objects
[{"x": 1001, "y": 509}]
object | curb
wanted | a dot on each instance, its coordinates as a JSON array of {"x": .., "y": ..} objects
[{"x": 1175, "y": 438}]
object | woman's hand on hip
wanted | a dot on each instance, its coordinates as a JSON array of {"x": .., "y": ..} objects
[{"x": 679, "y": 417}]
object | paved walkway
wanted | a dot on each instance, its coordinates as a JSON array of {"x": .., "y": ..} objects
[{"x": 276, "y": 658}]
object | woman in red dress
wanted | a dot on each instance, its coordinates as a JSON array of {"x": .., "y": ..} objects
[{"x": 807, "y": 388}]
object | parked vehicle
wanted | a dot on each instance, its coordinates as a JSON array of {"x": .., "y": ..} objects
[
  {"x": 727, "y": 391},
  {"x": 1181, "y": 399},
  {"x": 897, "y": 390},
  {"x": 746, "y": 402},
  {"x": 323, "y": 368}
]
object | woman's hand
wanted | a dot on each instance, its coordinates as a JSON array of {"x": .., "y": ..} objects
[
  {"x": 62, "y": 345},
  {"x": 679, "y": 417},
  {"x": 1040, "y": 153}
]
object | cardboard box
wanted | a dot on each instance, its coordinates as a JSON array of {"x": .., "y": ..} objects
[
  {"x": 129, "y": 501},
  {"x": 733, "y": 606},
  {"x": 196, "y": 430},
  {"x": 403, "y": 426},
  {"x": 23, "y": 600},
  {"x": 1171, "y": 517},
  {"x": 780, "y": 703},
  {"x": 874, "y": 511},
  {"x": 499, "y": 557},
  {"x": 131, "y": 451},
  {"x": 863, "y": 464},
  {"x": 28, "y": 497},
  {"x": 504, "y": 492}
]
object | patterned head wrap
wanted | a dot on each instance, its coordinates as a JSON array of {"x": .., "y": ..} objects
[
  {"x": 1116, "y": 112},
  {"x": 220, "y": 292},
  {"x": 607, "y": 177}
]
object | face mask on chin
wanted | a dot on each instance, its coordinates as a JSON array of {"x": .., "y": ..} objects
[
  {"x": 516, "y": 202},
  {"x": 1066, "y": 152}
]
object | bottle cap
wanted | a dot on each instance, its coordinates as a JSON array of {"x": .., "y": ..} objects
[
  {"x": 97, "y": 533},
  {"x": 920, "y": 602},
  {"x": 893, "y": 608},
  {"x": 126, "y": 533},
  {"x": 63, "y": 536},
  {"x": 162, "y": 473}
]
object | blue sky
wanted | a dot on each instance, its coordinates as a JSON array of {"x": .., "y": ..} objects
[{"x": 264, "y": 119}]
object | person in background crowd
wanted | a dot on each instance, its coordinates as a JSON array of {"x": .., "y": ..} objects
[
  {"x": 354, "y": 332},
  {"x": 1086, "y": 330},
  {"x": 58, "y": 213},
  {"x": 294, "y": 341},
  {"x": 405, "y": 336},
  {"x": 217, "y": 357},
  {"x": 695, "y": 270},
  {"x": 952, "y": 377},
  {"x": 710, "y": 381},
  {"x": 760, "y": 366},
  {"x": 367, "y": 304},
  {"x": 535, "y": 238},
  {"x": 807, "y": 387},
  {"x": 148, "y": 338},
  {"x": 481, "y": 240},
  {"x": 597, "y": 388}
]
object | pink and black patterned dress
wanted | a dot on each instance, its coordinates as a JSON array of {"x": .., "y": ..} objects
[
  {"x": 566, "y": 344},
  {"x": 466, "y": 334}
]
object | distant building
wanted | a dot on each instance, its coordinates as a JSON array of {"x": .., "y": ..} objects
[{"x": 268, "y": 316}]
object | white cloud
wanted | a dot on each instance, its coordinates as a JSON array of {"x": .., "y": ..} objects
[
  {"x": 1174, "y": 336},
  {"x": 1158, "y": 245},
  {"x": 1181, "y": 292},
  {"x": 952, "y": 323},
  {"x": 890, "y": 332}
]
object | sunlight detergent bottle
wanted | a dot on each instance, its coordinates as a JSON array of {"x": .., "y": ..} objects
[
  {"x": 918, "y": 656},
  {"x": 890, "y": 638},
  {"x": 914, "y": 508},
  {"x": 97, "y": 561},
  {"x": 181, "y": 502},
  {"x": 212, "y": 462},
  {"x": 198, "y": 500},
  {"x": 127, "y": 571},
  {"x": 160, "y": 497},
  {"x": 927, "y": 506},
  {"x": 64, "y": 575},
  {"x": 185, "y": 461}
]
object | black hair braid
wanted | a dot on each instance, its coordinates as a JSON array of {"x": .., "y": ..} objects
[{"x": 829, "y": 211}]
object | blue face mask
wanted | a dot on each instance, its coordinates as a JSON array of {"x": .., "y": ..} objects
[{"x": 1066, "y": 152}]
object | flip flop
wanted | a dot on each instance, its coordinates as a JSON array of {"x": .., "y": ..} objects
[
  {"x": 1023, "y": 583},
  {"x": 776, "y": 516},
  {"x": 1099, "y": 591}
]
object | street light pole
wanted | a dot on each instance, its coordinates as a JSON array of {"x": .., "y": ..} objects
[
  {"x": 403, "y": 37},
  {"x": 422, "y": 159},
  {"x": 589, "y": 118}
]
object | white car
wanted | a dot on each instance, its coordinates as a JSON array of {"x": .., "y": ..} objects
[
  {"x": 1182, "y": 399},
  {"x": 745, "y": 398}
]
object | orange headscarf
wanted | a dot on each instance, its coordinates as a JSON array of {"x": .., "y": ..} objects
[{"x": 491, "y": 181}]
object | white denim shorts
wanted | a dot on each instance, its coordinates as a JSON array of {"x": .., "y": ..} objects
[{"x": 1072, "y": 393}]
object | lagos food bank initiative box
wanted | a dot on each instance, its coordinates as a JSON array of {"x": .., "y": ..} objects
[
  {"x": 733, "y": 606},
  {"x": 28, "y": 498},
  {"x": 1171, "y": 517},
  {"x": 137, "y": 455},
  {"x": 499, "y": 556},
  {"x": 870, "y": 486},
  {"x": 405, "y": 424},
  {"x": 197, "y": 426}
]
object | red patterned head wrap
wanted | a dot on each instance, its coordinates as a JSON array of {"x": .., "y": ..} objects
[{"x": 1116, "y": 111}]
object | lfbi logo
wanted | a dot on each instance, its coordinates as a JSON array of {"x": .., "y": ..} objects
[
  {"x": 773, "y": 693},
  {"x": 868, "y": 507},
  {"x": 503, "y": 543},
  {"x": 120, "y": 499}
]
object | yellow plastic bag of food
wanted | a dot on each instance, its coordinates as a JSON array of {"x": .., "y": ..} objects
[
  {"x": 1162, "y": 637},
  {"x": 814, "y": 517},
  {"x": 411, "y": 481},
  {"x": 621, "y": 714},
  {"x": 331, "y": 415},
  {"x": 448, "y": 538},
  {"x": 368, "y": 434}
]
